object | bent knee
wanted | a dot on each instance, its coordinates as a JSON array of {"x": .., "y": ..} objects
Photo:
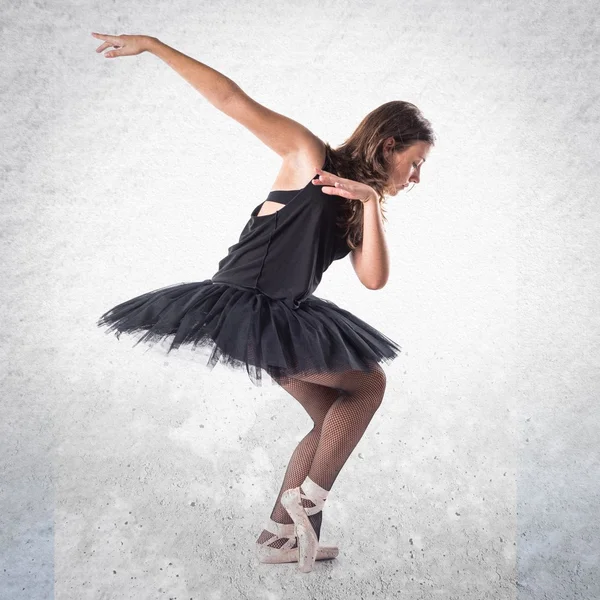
[
  {"x": 378, "y": 378},
  {"x": 372, "y": 387}
]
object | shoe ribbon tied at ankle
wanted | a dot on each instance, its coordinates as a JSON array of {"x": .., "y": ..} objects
[{"x": 309, "y": 490}]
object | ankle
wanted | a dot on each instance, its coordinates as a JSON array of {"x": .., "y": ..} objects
[
  {"x": 316, "y": 521},
  {"x": 313, "y": 500},
  {"x": 313, "y": 496}
]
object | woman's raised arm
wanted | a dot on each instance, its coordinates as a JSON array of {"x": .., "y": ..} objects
[
  {"x": 280, "y": 133},
  {"x": 214, "y": 86}
]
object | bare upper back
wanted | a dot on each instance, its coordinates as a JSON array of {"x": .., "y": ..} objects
[
  {"x": 298, "y": 168},
  {"x": 296, "y": 171}
]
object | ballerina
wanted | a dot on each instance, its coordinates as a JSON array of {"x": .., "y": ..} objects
[{"x": 259, "y": 312}]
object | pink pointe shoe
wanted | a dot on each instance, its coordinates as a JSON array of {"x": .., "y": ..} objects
[
  {"x": 308, "y": 543},
  {"x": 287, "y": 554}
]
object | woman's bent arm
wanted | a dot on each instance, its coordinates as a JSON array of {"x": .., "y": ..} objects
[
  {"x": 214, "y": 86},
  {"x": 371, "y": 259}
]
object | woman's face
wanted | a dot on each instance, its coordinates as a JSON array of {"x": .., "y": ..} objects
[{"x": 405, "y": 166}]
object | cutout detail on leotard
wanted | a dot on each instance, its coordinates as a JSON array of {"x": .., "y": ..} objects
[{"x": 270, "y": 206}]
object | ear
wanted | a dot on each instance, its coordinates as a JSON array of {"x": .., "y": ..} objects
[{"x": 388, "y": 145}]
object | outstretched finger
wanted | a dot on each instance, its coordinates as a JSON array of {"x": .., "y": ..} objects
[
  {"x": 112, "y": 39},
  {"x": 103, "y": 47}
]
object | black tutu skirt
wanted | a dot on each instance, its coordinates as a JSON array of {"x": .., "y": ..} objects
[{"x": 245, "y": 329}]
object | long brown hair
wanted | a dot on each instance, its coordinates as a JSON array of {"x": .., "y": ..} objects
[{"x": 361, "y": 158}]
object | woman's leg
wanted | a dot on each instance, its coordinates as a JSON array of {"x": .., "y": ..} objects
[
  {"x": 316, "y": 400},
  {"x": 343, "y": 425},
  {"x": 351, "y": 399}
]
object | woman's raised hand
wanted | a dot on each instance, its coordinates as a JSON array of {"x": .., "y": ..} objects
[
  {"x": 125, "y": 45},
  {"x": 347, "y": 188}
]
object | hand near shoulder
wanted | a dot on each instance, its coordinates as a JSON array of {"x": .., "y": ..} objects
[{"x": 347, "y": 188}]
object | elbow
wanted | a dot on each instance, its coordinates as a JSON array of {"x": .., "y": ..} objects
[
  {"x": 372, "y": 279},
  {"x": 375, "y": 279},
  {"x": 375, "y": 285}
]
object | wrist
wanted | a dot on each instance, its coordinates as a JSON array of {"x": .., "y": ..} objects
[
  {"x": 371, "y": 199},
  {"x": 150, "y": 43}
]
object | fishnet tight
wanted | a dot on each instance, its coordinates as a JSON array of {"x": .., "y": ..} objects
[{"x": 341, "y": 406}]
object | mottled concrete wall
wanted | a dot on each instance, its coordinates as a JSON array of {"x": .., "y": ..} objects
[{"x": 128, "y": 474}]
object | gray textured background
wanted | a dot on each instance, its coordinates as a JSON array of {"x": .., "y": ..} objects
[{"x": 126, "y": 474}]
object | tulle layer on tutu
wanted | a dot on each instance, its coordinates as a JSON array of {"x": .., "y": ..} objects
[{"x": 243, "y": 328}]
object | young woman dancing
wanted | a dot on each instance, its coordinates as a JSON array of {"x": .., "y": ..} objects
[{"x": 258, "y": 311}]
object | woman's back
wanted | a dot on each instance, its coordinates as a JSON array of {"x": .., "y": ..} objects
[{"x": 284, "y": 253}]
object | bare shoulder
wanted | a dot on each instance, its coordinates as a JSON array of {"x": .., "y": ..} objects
[{"x": 299, "y": 166}]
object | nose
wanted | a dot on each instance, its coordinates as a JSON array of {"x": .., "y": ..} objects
[{"x": 414, "y": 178}]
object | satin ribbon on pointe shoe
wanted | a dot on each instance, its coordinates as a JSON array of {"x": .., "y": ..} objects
[
  {"x": 308, "y": 543},
  {"x": 286, "y": 553}
]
